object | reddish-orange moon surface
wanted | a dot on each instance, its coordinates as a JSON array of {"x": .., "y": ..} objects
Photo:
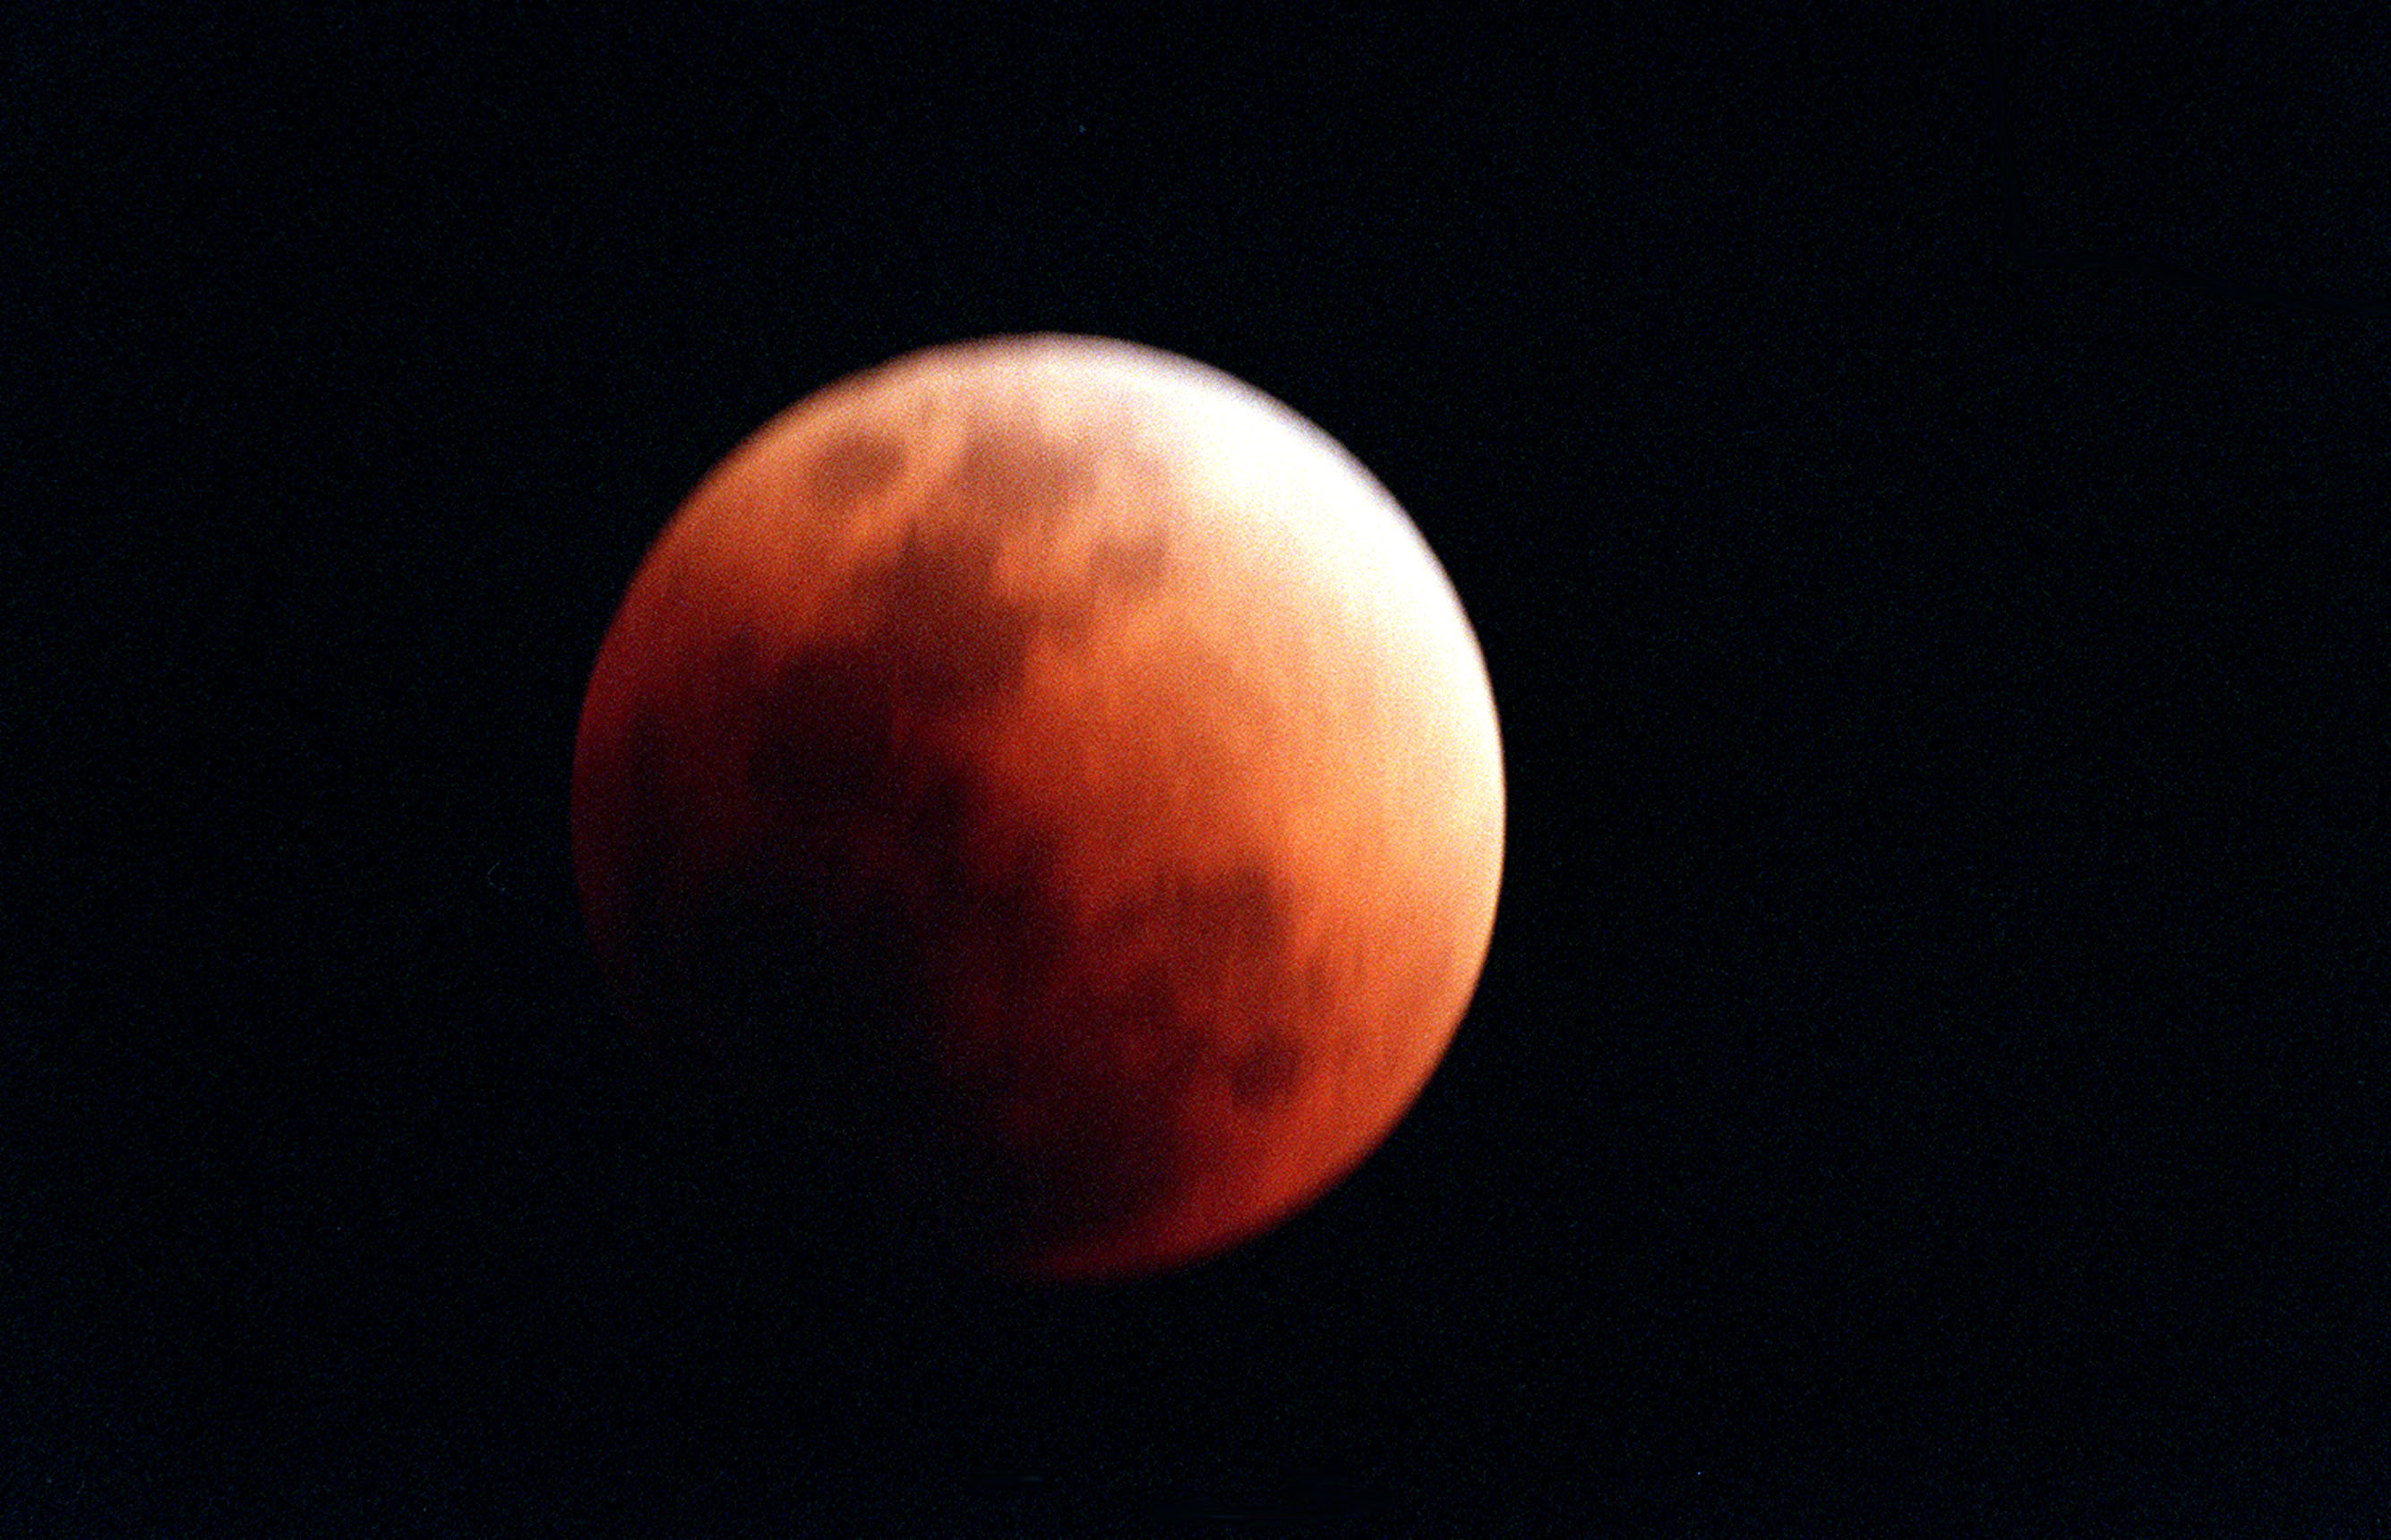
[{"x": 1058, "y": 783}]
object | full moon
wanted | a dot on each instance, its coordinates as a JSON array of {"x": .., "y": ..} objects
[{"x": 1054, "y": 786}]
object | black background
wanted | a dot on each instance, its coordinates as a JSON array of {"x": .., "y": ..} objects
[{"x": 1918, "y": 486}]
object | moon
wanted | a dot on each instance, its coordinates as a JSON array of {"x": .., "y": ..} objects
[{"x": 1054, "y": 787}]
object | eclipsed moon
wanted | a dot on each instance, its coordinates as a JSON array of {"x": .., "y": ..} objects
[{"x": 1058, "y": 783}]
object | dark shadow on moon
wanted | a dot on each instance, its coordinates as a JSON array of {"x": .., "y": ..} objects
[{"x": 891, "y": 997}]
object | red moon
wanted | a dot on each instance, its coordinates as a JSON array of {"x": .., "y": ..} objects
[{"x": 1058, "y": 783}]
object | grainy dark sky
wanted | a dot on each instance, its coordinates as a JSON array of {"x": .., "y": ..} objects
[{"x": 1918, "y": 489}]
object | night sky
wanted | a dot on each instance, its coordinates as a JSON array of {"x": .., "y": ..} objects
[{"x": 1919, "y": 487}]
